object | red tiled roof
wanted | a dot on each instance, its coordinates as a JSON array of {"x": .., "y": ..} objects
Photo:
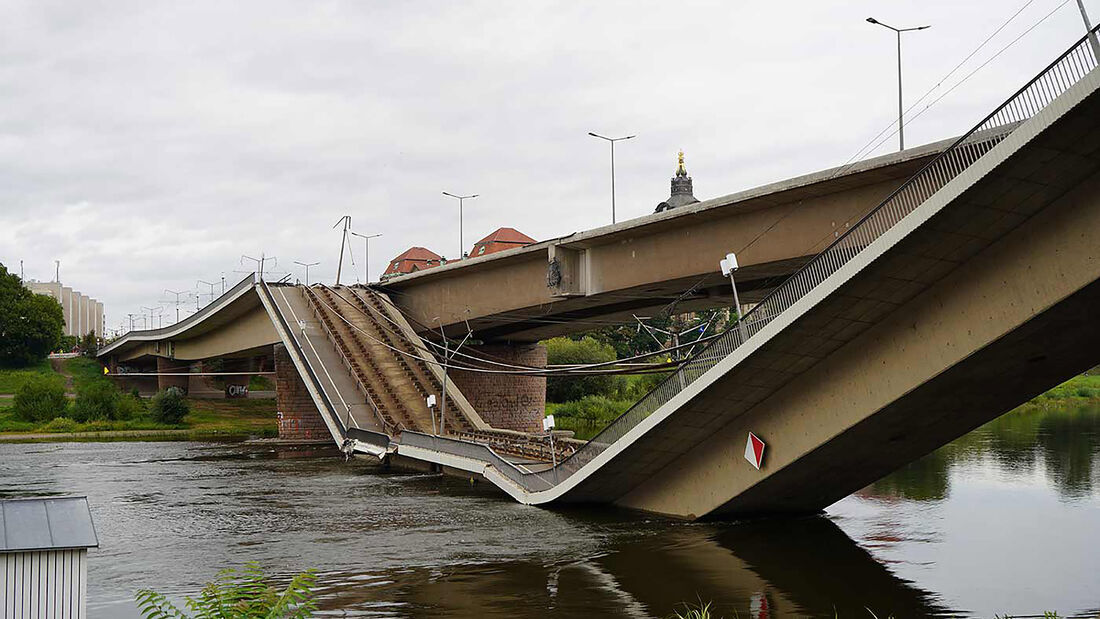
[
  {"x": 411, "y": 260},
  {"x": 507, "y": 235},
  {"x": 417, "y": 253},
  {"x": 500, "y": 240}
]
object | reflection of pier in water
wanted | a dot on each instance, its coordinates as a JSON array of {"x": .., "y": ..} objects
[{"x": 784, "y": 568}]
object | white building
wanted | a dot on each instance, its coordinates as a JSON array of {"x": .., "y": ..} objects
[
  {"x": 44, "y": 546},
  {"x": 82, "y": 313}
]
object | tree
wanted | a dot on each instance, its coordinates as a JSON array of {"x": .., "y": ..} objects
[
  {"x": 564, "y": 351},
  {"x": 89, "y": 344},
  {"x": 30, "y": 324}
]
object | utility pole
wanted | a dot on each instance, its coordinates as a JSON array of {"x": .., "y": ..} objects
[
  {"x": 461, "y": 239},
  {"x": 223, "y": 282},
  {"x": 346, "y": 220},
  {"x": 260, "y": 262},
  {"x": 307, "y": 265},
  {"x": 131, "y": 321},
  {"x": 366, "y": 253},
  {"x": 21, "y": 277},
  {"x": 447, "y": 357},
  {"x": 898, "y": 31},
  {"x": 177, "y": 300},
  {"x": 612, "y": 141},
  {"x": 211, "y": 289},
  {"x": 57, "y": 273},
  {"x": 1088, "y": 28}
]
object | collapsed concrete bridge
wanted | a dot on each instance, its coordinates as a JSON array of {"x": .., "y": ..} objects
[{"x": 966, "y": 290}]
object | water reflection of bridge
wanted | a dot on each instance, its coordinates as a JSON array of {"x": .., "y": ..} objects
[{"x": 802, "y": 567}]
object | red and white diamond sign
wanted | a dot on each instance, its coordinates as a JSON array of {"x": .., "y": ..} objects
[{"x": 754, "y": 450}]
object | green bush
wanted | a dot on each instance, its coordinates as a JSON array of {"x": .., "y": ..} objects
[
  {"x": 238, "y": 593},
  {"x": 98, "y": 400},
  {"x": 61, "y": 424},
  {"x": 169, "y": 407},
  {"x": 636, "y": 386},
  {"x": 562, "y": 351},
  {"x": 40, "y": 400},
  {"x": 130, "y": 406}
]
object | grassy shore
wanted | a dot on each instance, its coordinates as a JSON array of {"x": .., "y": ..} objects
[
  {"x": 222, "y": 418},
  {"x": 207, "y": 418}
]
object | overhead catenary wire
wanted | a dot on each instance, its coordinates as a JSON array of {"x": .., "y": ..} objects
[
  {"x": 500, "y": 361},
  {"x": 539, "y": 371},
  {"x": 575, "y": 370}
]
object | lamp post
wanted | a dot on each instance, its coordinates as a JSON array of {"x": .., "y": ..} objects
[
  {"x": 461, "y": 239},
  {"x": 307, "y": 265},
  {"x": 612, "y": 142},
  {"x": 366, "y": 253},
  {"x": 898, "y": 31},
  {"x": 729, "y": 266}
]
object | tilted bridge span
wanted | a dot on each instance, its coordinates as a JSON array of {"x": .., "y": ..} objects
[{"x": 970, "y": 288}]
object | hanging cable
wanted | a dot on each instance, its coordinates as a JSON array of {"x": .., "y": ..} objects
[{"x": 541, "y": 371}]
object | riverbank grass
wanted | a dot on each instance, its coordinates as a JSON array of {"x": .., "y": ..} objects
[
  {"x": 12, "y": 380},
  {"x": 228, "y": 418}
]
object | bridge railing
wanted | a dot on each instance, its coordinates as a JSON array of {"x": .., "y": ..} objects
[{"x": 1055, "y": 79}]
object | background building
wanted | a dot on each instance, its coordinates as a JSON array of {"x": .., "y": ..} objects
[
  {"x": 82, "y": 313},
  {"x": 500, "y": 240}
]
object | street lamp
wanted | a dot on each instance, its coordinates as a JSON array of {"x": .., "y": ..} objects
[
  {"x": 366, "y": 252},
  {"x": 307, "y": 265},
  {"x": 612, "y": 141},
  {"x": 898, "y": 31},
  {"x": 729, "y": 266},
  {"x": 461, "y": 240}
]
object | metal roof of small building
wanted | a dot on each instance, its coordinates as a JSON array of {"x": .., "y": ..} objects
[{"x": 53, "y": 523}]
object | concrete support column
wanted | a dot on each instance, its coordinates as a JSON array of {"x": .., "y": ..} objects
[
  {"x": 506, "y": 401},
  {"x": 237, "y": 386},
  {"x": 165, "y": 365},
  {"x": 299, "y": 419}
]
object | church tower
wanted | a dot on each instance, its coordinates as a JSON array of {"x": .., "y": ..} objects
[{"x": 681, "y": 189}]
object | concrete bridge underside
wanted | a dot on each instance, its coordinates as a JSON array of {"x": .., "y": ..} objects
[{"x": 639, "y": 266}]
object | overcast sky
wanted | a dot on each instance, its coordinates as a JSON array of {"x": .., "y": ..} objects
[{"x": 148, "y": 145}]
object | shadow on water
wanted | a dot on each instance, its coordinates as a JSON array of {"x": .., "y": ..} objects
[{"x": 799, "y": 567}]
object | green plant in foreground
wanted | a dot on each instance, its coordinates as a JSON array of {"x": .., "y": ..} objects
[
  {"x": 702, "y": 611},
  {"x": 236, "y": 594}
]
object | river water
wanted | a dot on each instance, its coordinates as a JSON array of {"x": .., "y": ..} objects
[{"x": 1004, "y": 520}]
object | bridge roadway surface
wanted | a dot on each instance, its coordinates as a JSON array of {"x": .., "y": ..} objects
[{"x": 968, "y": 290}]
